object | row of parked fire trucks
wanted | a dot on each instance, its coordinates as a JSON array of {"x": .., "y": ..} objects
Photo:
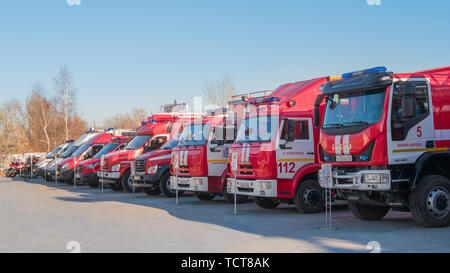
[{"x": 378, "y": 139}]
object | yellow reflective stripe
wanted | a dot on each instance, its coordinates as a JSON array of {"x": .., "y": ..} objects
[
  {"x": 217, "y": 161},
  {"x": 295, "y": 159},
  {"x": 419, "y": 150}
]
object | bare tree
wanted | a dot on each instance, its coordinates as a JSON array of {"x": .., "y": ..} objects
[
  {"x": 41, "y": 115},
  {"x": 12, "y": 128},
  {"x": 220, "y": 92},
  {"x": 127, "y": 120},
  {"x": 65, "y": 95}
]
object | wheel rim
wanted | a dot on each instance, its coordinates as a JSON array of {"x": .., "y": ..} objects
[
  {"x": 311, "y": 197},
  {"x": 438, "y": 202}
]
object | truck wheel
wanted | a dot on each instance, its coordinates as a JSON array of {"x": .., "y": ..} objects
[
  {"x": 368, "y": 212},
  {"x": 309, "y": 197},
  {"x": 116, "y": 186},
  {"x": 205, "y": 196},
  {"x": 164, "y": 185},
  {"x": 152, "y": 191},
  {"x": 266, "y": 203},
  {"x": 430, "y": 202},
  {"x": 126, "y": 182}
]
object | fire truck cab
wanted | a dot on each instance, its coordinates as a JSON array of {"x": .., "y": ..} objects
[
  {"x": 151, "y": 170},
  {"x": 384, "y": 143},
  {"x": 199, "y": 162},
  {"x": 86, "y": 171},
  {"x": 276, "y": 149},
  {"x": 91, "y": 145},
  {"x": 116, "y": 167}
]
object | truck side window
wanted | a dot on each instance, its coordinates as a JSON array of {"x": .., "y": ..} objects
[
  {"x": 401, "y": 125},
  {"x": 301, "y": 130},
  {"x": 96, "y": 149}
]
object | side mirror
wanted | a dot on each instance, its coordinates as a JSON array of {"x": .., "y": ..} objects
[
  {"x": 316, "y": 117},
  {"x": 290, "y": 130},
  {"x": 408, "y": 107}
]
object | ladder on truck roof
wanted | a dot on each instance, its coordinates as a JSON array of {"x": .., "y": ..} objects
[{"x": 244, "y": 98}]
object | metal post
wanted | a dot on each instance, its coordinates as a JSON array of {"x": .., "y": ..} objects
[
  {"x": 101, "y": 168},
  {"x": 235, "y": 194},
  {"x": 74, "y": 171},
  {"x": 31, "y": 168},
  {"x": 45, "y": 170}
]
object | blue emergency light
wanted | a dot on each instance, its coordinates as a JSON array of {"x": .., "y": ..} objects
[
  {"x": 91, "y": 130},
  {"x": 265, "y": 100},
  {"x": 365, "y": 71}
]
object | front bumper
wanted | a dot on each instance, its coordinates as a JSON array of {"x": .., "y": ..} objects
[
  {"x": 260, "y": 188},
  {"x": 338, "y": 179},
  {"x": 66, "y": 175},
  {"x": 199, "y": 184},
  {"x": 108, "y": 177},
  {"x": 142, "y": 180},
  {"x": 87, "y": 177}
]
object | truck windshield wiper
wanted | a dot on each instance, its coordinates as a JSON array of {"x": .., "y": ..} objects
[
  {"x": 337, "y": 125},
  {"x": 365, "y": 123}
]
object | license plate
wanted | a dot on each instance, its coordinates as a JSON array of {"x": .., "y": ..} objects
[
  {"x": 344, "y": 158},
  {"x": 78, "y": 176},
  {"x": 243, "y": 184},
  {"x": 137, "y": 178}
]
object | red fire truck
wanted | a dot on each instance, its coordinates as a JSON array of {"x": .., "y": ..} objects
[
  {"x": 86, "y": 171},
  {"x": 90, "y": 146},
  {"x": 384, "y": 143},
  {"x": 115, "y": 167},
  {"x": 276, "y": 149},
  {"x": 202, "y": 156},
  {"x": 152, "y": 170}
]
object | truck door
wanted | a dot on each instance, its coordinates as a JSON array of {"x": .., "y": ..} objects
[
  {"x": 410, "y": 121},
  {"x": 219, "y": 141},
  {"x": 293, "y": 155}
]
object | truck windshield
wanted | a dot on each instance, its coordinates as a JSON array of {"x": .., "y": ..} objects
[
  {"x": 137, "y": 143},
  {"x": 54, "y": 152},
  {"x": 354, "y": 108},
  {"x": 172, "y": 143},
  {"x": 69, "y": 151},
  {"x": 258, "y": 129},
  {"x": 108, "y": 148},
  {"x": 82, "y": 149},
  {"x": 195, "y": 135}
]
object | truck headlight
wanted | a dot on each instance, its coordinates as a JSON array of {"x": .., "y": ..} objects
[
  {"x": 92, "y": 165},
  {"x": 375, "y": 178},
  {"x": 198, "y": 181},
  {"x": 152, "y": 169},
  {"x": 266, "y": 185},
  {"x": 116, "y": 168}
]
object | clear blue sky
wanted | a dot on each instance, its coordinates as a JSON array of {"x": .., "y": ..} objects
[{"x": 133, "y": 53}]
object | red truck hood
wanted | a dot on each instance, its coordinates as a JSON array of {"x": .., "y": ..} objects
[
  {"x": 118, "y": 157},
  {"x": 192, "y": 161},
  {"x": 255, "y": 160},
  {"x": 157, "y": 157},
  {"x": 371, "y": 142}
]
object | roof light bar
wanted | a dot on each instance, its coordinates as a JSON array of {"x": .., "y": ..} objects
[
  {"x": 265, "y": 100},
  {"x": 365, "y": 71}
]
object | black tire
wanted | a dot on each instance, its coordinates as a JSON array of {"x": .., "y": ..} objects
[
  {"x": 430, "y": 202},
  {"x": 126, "y": 183},
  {"x": 165, "y": 187},
  {"x": 309, "y": 197},
  {"x": 368, "y": 212},
  {"x": 205, "y": 196},
  {"x": 152, "y": 191},
  {"x": 266, "y": 203},
  {"x": 116, "y": 186}
]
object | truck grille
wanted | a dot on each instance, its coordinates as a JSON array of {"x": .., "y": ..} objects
[
  {"x": 106, "y": 164},
  {"x": 246, "y": 169},
  {"x": 140, "y": 165}
]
